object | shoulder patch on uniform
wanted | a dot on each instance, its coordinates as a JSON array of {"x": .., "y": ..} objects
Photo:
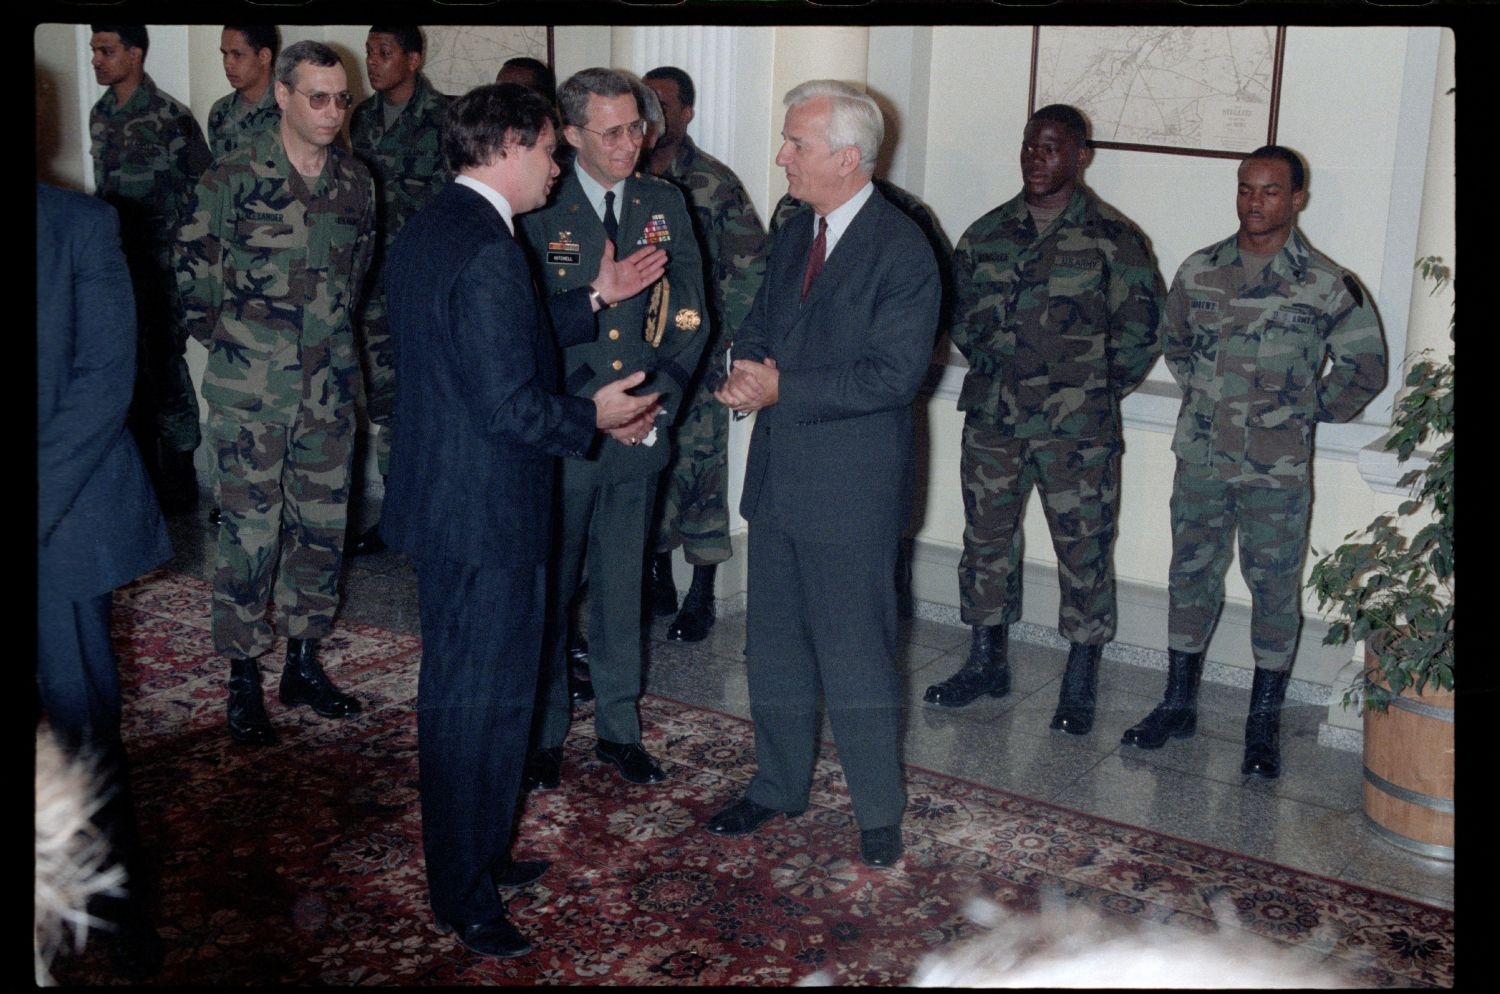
[{"x": 1354, "y": 291}]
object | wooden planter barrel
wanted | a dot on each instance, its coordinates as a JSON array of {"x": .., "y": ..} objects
[{"x": 1409, "y": 770}]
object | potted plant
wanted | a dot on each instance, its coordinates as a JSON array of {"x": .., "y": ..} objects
[{"x": 1391, "y": 584}]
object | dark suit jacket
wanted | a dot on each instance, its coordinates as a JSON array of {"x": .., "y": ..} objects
[
  {"x": 471, "y": 476},
  {"x": 98, "y": 524},
  {"x": 831, "y": 459},
  {"x": 566, "y": 238}
]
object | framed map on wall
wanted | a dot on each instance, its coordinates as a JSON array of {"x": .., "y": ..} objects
[
  {"x": 1185, "y": 90},
  {"x": 461, "y": 57}
]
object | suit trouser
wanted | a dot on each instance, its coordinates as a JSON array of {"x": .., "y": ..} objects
[
  {"x": 1079, "y": 480},
  {"x": 823, "y": 613},
  {"x": 481, "y": 641},
  {"x": 1272, "y": 526},
  {"x": 608, "y": 524},
  {"x": 78, "y": 682}
]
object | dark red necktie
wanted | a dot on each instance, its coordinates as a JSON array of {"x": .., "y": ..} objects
[{"x": 815, "y": 255}]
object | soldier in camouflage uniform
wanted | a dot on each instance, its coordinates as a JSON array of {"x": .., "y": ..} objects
[
  {"x": 1267, "y": 338},
  {"x": 249, "y": 52},
  {"x": 148, "y": 151},
  {"x": 397, "y": 134},
  {"x": 270, "y": 265},
  {"x": 694, "y": 510},
  {"x": 1058, "y": 300}
]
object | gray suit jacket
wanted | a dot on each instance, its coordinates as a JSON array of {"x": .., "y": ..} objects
[{"x": 831, "y": 460}]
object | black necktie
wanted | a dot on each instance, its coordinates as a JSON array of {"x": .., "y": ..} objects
[
  {"x": 815, "y": 255},
  {"x": 611, "y": 223}
]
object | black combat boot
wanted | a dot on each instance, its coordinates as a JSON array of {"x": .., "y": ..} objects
[
  {"x": 1176, "y": 717},
  {"x": 580, "y": 686},
  {"x": 986, "y": 671},
  {"x": 368, "y": 543},
  {"x": 248, "y": 722},
  {"x": 697, "y": 615},
  {"x": 663, "y": 590},
  {"x": 304, "y": 682},
  {"x": 1075, "y": 704},
  {"x": 1263, "y": 726}
]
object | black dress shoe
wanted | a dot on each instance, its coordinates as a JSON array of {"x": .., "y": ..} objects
[
  {"x": 580, "y": 687},
  {"x": 743, "y": 817},
  {"x": 880, "y": 847},
  {"x": 368, "y": 543},
  {"x": 543, "y": 769},
  {"x": 496, "y": 937},
  {"x": 518, "y": 872},
  {"x": 634, "y": 762},
  {"x": 215, "y": 515}
]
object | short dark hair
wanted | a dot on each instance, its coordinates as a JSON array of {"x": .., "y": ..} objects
[
  {"x": 131, "y": 35},
  {"x": 687, "y": 93},
  {"x": 1283, "y": 154},
  {"x": 542, "y": 79},
  {"x": 313, "y": 52},
  {"x": 259, "y": 36},
  {"x": 1068, "y": 116},
  {"x": 480, "y": 123},
  {"x": 408, "y": 36},
  {"x": 573, "y": 97}
]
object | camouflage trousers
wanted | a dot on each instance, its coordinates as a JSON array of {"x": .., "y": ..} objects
[
  {"x": 1272, "y": 524},
  {"x": 1079, "y": 483},
  {"x": 378, "y": 356},
  {"x": 164, "y": 406},
  {"x": 695, "y": 504},
  {"x": 284, "y": 494}
]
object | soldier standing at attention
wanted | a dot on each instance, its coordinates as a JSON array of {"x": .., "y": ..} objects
[
  {"x": 1267, "y": 338},
  {"x": 270, "y": 265},
  {"x": 607, "y": 499},
  {"x": 694, "y": 508},
  {"x": 397, "y": 133},
  {"x": 1057, "y": 303},
  {"x": 148, "y": 152},
  {"x": 249, "y": 52}
]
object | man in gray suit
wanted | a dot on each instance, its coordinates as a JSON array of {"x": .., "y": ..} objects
[{"x": 831, "y": 356}]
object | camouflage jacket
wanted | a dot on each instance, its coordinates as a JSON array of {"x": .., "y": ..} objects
[
  {"x": 147, "y": 156},
  {"x": 406, "y": 161},
  {"x": 1251, "y": 359},
  {"x": 228, "y": 129},
  {"x": 913, "y": 208},
  {"x": 267, "y": 273},
  {"x": 731, "y": 236},
  {"x": 662, "y": 329},
  {"x": 1058, "y": 325}
]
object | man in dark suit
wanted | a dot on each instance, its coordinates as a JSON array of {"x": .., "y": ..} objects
[
  {"x": 470, "y": 497},
  {"x": 98, "y": 523},
  {"x": 607, "y": 502},
  {"x": 831, "y": 357}
]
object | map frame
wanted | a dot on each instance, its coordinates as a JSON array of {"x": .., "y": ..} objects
[
  {"x": 1267, "y": 117},
  {"x": 534, "y": 40}
]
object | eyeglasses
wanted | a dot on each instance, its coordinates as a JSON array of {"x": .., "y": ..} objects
[
  {"x": 318, "y": 99},
  {"x": 636, "y": 130}
]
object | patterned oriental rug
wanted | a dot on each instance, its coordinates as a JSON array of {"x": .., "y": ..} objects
[{"x": 302, "y": 863}]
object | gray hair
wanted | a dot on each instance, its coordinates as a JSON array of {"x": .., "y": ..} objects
[
  {"x": 299, "y": 52},
  {"x": 573, "y": 95},
  {"x": 647, "y": 100},
  {"x": 854, "y": 119}
]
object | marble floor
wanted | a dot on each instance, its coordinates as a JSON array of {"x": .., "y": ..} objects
[{"x": 1309, "y": 818}]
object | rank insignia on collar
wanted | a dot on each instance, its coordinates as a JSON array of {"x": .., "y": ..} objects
[
  {"x": 688, "y": 319},
  {"x": 655, "y": 231}
]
